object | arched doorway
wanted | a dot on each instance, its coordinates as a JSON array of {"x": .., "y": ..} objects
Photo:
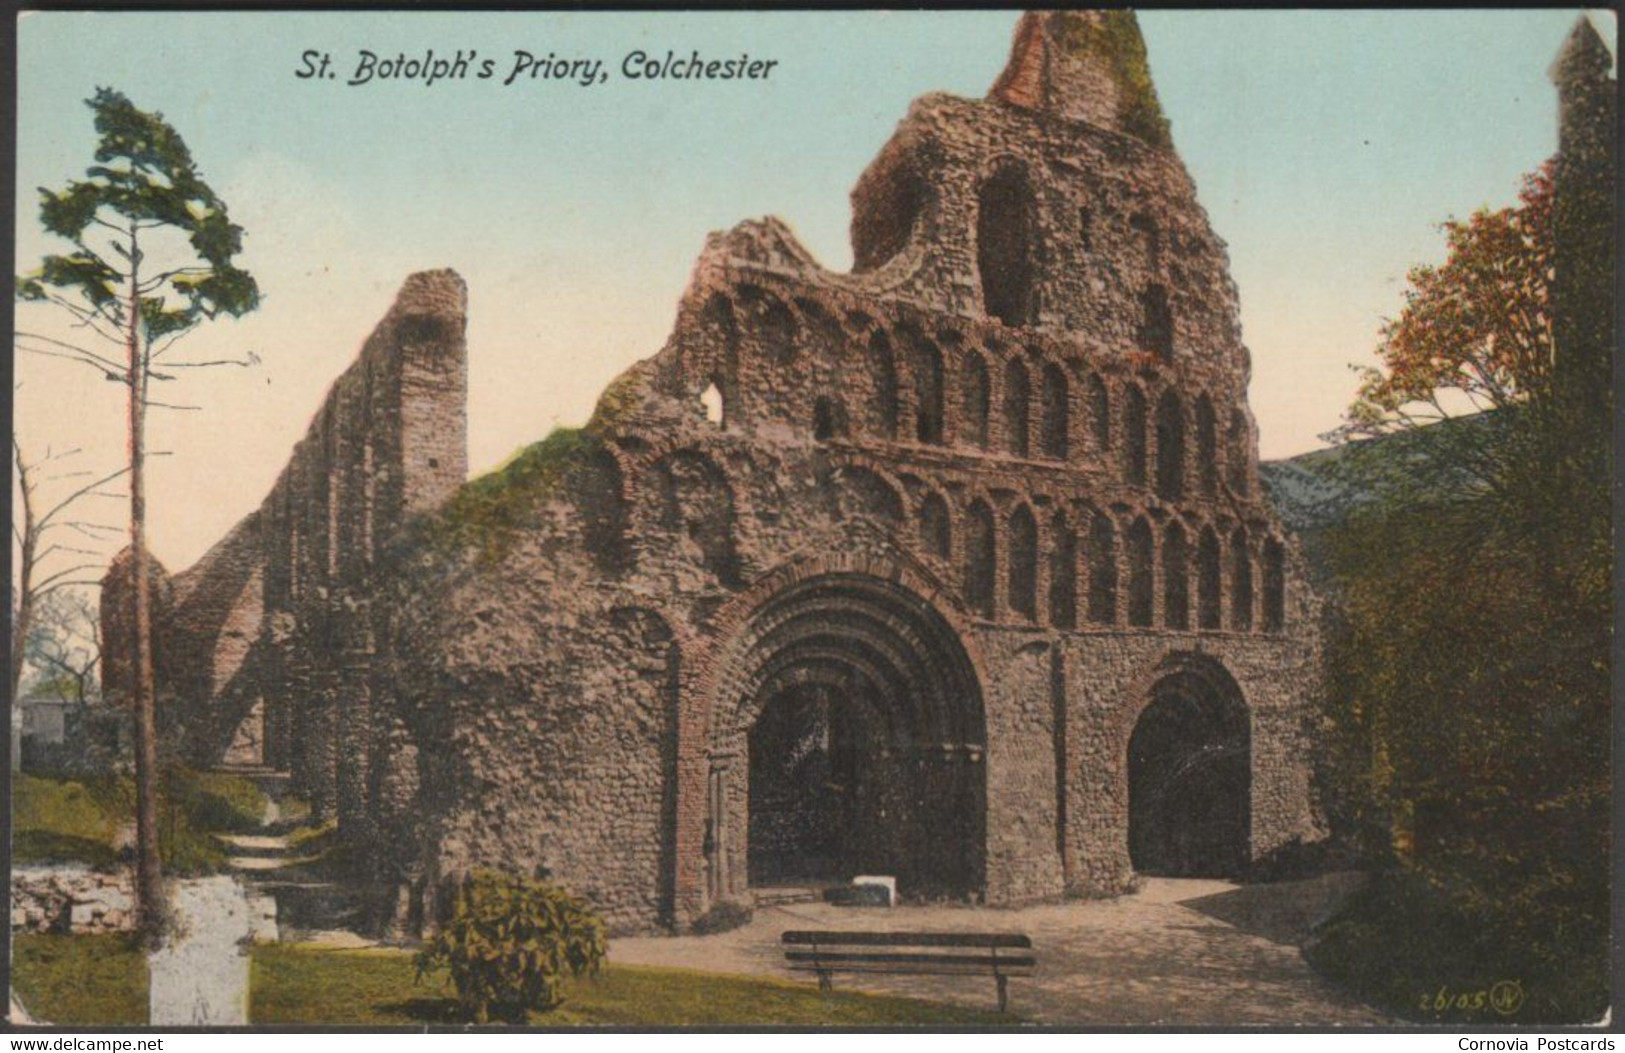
[
  {"x": 850, "y": 741},
  {"x": 1190, "y": 777}
]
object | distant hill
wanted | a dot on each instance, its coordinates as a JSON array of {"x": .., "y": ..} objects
[{"x": 1321, "y": 488}]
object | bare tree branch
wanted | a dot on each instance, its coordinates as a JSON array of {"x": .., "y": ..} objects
[
  {"x": 76, "y": 358},
  {"x": 40, "y": 587},
  {"x": 82, "y": 491}
]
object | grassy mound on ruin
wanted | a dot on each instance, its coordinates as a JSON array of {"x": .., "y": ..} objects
[
  {"x": 1115, "y": 41},
  {"x": 488, "y": 512},
  {"x": 306, "y": 984}
]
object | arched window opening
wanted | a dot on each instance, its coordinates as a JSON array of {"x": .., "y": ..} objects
[
  {"x": 935, "y": 530},
  {"x": 1207, "y": 447},
  {"x": 1063, "y": 576},
  {"x": 1209, "y": 607},
  {"x": 977, "y": 391},
  {"x": 1006, "y": 223},
  {"x": 1236, "y": 454},
  {"x": 1176, "y": 586},
  {"x": 1170, "y": 447},
  {"x": 1134, "y": 436},
  {"x": 927, "y": 362},
  {"x": 719, "y": 330},
  {"x": 883, "y": 386},
  {"x": 1017, "y": 407},
  {"x": 1102, "y": 571},
  {"x": 1145, "y": 228},
  {"x": 1274, "y": 586},
  {"x": 1141, "y": 574},
  {"x": 1241, "y": 583},
  {"x": 864, "y": 494},
  {"x": 1052, "y": 421},
  {"x": 779, "y": 331},
  {"x": 1023, "y": 579},
  {"x": 715, "y": 407},
  {"x": 829, "y": 418},
  {"x": 980, "y": 558},
  {"x": 1100, "y": 413},
  {"x": 694, "y": 501},
  {"x": 1156, "y": 322}
]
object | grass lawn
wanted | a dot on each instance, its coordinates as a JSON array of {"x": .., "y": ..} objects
[
  {"x": 80, "y": 979},
  {"x": 59, "y": 819},
  {"x": 301, "y": 984}
]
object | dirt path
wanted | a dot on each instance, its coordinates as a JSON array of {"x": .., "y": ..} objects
[{"x": 1177, "y": 952}]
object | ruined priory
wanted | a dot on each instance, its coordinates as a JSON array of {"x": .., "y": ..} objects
[{"x": 954, "y": 568}]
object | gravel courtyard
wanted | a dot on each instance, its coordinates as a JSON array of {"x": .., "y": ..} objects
[{"x": 1176, "y": 952}]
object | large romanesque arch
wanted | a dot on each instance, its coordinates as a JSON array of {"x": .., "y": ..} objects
[{"x": 847, "y": 737}]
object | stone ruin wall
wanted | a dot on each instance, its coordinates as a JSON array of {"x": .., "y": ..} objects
[
  {"x": 1057, "y": 459},
  {"x": 269, "y": 635}
]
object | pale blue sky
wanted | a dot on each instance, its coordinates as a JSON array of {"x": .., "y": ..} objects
[{"x": 1324, "y": 146}]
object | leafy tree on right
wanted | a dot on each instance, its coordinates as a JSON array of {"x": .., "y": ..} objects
[{"x": 1470, "y": 650}]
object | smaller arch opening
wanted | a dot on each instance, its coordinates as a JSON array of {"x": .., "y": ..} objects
[
  {"x": 829, "y": 418},
  {"x": 1023, "y": 578},
  {"x": 1053, "y": 417},
  {"x": 1170, "y": 448},
  {"x": 779, "y": 330},
  {"x": 977, "y": 394},
  {"x": 935, "y": 529},
  {"x": 980, "y": 558},
  {"x": 1063, "y": 575},
  {"x": 1236, "y": 454},
  {"x": 1017, "y": 407},
  {"x": 1189, "y": 778},
  {"x": 1241, "y": 583},
  {"x": 883, "y": 405},
  {"x": 1274, "y": 586},
  {"x": 1176, "y": 586},
  {"x": 1141, "y": 574},
  {"x": 1100, "y": 413},
  {"x": 1156, "y": 322},
  {"x": 1102, "y": 571},
  {"x": 1134, "y": 438},
  {"x": 1209, "y": 603},
  {"x": 1207, "y": 447},
  {"x": 928, "y": 416}
]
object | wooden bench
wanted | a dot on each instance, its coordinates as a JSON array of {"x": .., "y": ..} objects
[{"x": 1000, "y": 955}]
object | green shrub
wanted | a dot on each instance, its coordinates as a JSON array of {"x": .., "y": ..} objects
[{"x": 511, "y": 943}]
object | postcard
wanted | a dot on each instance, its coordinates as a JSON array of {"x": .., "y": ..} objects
[{"x": 834, "y": 519}]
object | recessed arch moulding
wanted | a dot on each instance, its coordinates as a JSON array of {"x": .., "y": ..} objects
[{"x": 951, "y": 518}]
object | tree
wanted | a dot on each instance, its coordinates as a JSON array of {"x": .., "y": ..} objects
[
  {"x": 1469, "y": 662},
  {"x": 64, "y": 647},
  {"x": 152, "y": 259},
  {"x": 35, "y": 531}
]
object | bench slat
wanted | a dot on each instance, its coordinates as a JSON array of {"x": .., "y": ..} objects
[
  {"x": 841, "y": 959},
  {"x": 908, "y": 939},
  {"x": 1018, "y": 972}
]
